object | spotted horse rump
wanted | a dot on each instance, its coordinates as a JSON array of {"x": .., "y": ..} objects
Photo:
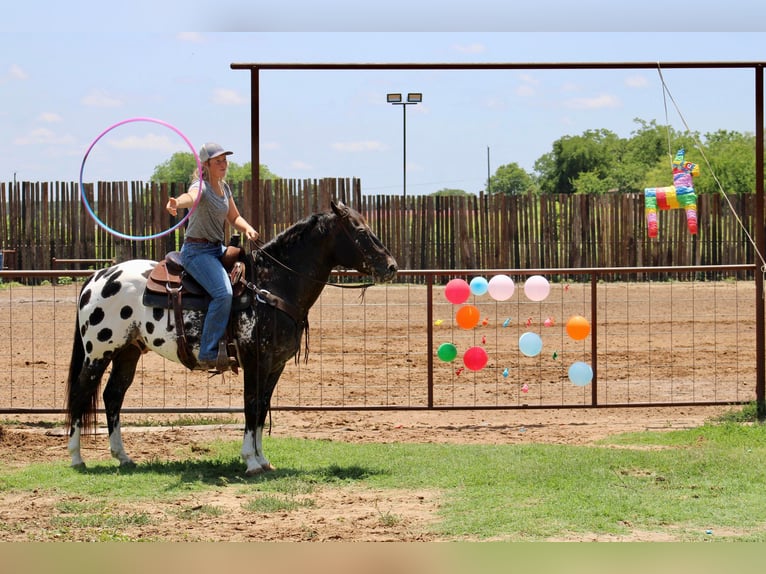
[{"x": 115, "y": 328}]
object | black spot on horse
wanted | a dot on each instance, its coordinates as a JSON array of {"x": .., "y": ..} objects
[
  {"x": 158, "y": 342},
  {"x": 96, "y": 316},
  {"x": 126, "y": 312},
  {"x": 158, "y": 313},
  {"x": 101, "y": 273},
  {"x": 84, "y": 298},
  {"x": 83, "y": 330},
  {"x": 104, "y": 335},
  {"x": 89, "y": 347},
  {"x": 112, "y": 286},
  {"x": 150, "y": 328}
]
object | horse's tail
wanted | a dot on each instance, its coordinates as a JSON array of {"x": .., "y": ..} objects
[{"x": 88, "y": 417}]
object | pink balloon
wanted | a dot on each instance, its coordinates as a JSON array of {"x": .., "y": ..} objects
[
  {"x": 501, "y": 287},
  {"x": 537, "y": 288},
  {"x": 457, "y": 291},
  {"x": 475, "y": 358}
]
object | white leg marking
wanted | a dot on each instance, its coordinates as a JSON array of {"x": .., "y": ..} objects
[
  {"x": 252, "y": 449},
  {"x": 74, "y": 447},
  {"x": 262, "y": 460},
  {"x": 116, "y": 446}
]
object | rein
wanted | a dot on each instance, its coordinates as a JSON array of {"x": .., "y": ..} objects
[{"x": 259, "y": 247}]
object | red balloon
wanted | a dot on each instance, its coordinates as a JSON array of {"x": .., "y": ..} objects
[
  {"x": 467, "y": 317},
  {"x": 457, "y": 291},
  {"x": 475, "y": 358}
]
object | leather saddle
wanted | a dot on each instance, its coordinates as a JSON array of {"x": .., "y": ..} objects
[{"x": 169, "y": 286}]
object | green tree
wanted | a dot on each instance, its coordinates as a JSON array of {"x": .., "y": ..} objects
[
  {"x": 178, "y": 169},
  {"x": 596, "y": 151},
  {"x": 511, "y": 179},
  {"x": 450, "y": 191},
  {"x": 181, "y": 165}
]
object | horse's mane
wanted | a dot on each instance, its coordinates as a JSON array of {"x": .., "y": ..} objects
[{"x": 310, "y": 227}]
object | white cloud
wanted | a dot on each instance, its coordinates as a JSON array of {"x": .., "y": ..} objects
[
  {"x": 636, "y": 81},
  {"x": 368, "y": 145},
  {"x": 194, "y": 37},
  {"x": 597, "y": 102},
  {"x": 300, "y": 165},
  {"x": 470, "y": 48},
  {"x": 17, "y": 73},
  {"x": 49, "y": 117},
  {"x": 43, "y": 136},
  {"x": 146, "y": 142},
  {"x": 228, "y": 97},
  {"x": 100, "y": 99},
  {"x": 525, "y": 91},
  {"x": 271, "y": 146}
]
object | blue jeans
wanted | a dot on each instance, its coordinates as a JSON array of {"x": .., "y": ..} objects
[{"x": 203, "y": 262}]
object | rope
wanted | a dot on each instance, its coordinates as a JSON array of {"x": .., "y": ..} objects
[{"x": 700, "y": 147}]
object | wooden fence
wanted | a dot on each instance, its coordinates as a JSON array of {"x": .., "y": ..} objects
[{"x": 41, "y": 222}]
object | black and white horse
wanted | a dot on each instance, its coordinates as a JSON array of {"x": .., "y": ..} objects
[{"x": 285, "y": 278}]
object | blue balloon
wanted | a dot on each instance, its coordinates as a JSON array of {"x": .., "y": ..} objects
[
  {"x": 479, "y": 286},
  {"x": 530, "y": 344},
  {"x": 580, "y": 373}
]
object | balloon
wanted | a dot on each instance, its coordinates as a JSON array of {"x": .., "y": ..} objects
[
  {"x": 578, "y": 327},
  {"x": 501, "y": 287},
  {"x": 537, "y": 288},
  {"x": 475, "y": 358},
  {"x": 530, "y": 344},
  {"x": 478, "y": 286},
  {"x": 467, "y": 316},
  {"x": 457, "y": 291},
  {"x": 447, "y": 352},
  {"x": 580, "y": 373}
]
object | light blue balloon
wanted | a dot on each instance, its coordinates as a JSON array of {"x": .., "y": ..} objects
[
  {"x": 580, "y": 373},
  {"x": 479, "y": 286},
  {"x": 530, "y": 344}
]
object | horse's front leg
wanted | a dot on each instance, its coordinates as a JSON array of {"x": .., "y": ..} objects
[
  {"x": 252, "y": 452},
  {"x": 257, "y": 401}
]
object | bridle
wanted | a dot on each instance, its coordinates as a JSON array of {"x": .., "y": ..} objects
[{"x": 258, "y": 247}]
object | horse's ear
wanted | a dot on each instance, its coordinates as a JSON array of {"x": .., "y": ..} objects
[{"x": 339, "y": 209}]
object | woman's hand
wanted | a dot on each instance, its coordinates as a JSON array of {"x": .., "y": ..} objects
[{"x": 172, "y": 206}]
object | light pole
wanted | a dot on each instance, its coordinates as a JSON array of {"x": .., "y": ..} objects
[{"x": 412, "y": 99}]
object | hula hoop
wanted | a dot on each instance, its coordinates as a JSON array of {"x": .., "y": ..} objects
[{"x": 114, "y": 231}]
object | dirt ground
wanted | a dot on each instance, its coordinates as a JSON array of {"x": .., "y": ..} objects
[
  {"x": 337, "y": 514},
  {"x": 355, "y": 513}
]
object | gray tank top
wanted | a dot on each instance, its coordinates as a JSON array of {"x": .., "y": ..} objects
[{"x": 206, "y": 221}]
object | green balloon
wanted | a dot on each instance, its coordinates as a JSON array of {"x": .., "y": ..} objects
[{"x": 447, "y": 352}]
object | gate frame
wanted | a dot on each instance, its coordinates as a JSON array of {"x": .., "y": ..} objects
[{"x": 760, "y": 232}]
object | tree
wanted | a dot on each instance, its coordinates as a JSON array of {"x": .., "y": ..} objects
[
  {"x": 597, "y": 151},
  {"x": 449, "y": 191},
  {"x": 511, "y": 179},
  {"x": 180, "y": 168}
]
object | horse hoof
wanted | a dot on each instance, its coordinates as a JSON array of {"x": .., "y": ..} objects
[
  {"x": 254, "y": 471},
  {"x": 79, "y": 466},
  {"x": 128, "y": 464},
  {"x": 268, "y": 467}
]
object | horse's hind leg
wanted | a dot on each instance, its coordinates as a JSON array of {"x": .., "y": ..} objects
[
  {"x": 81, "y": 405},
  {"x": 257, "y": 401},
  {"x": 123, "y": 370}
]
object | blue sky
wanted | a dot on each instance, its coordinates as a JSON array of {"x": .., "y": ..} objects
[{"x": 63, "y": 88}]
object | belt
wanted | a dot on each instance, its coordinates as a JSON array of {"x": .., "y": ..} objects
[{"x": 201, "y": 240}]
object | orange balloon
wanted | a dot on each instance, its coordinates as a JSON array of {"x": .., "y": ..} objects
[
  {"x": 467, "y": 316},
  {"x": 578, "y": 327}
]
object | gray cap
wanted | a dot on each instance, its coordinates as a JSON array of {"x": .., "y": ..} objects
[{"x": 211, "y": 150}]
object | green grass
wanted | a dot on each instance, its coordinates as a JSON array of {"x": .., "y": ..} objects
[{"x": 680, "y": 484}]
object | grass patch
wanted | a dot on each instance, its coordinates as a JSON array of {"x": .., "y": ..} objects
[
  {"x": 680, "y": 484},
  {"x": 269, "y": 503}
]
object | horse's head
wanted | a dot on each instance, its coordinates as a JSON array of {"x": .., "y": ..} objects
[{"x": 359, "y": 248}]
